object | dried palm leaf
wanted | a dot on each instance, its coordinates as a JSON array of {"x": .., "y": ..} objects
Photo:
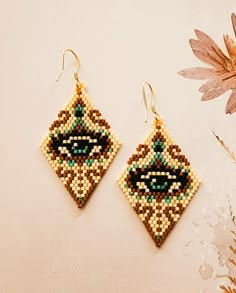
[
  {"x": 230, "y": 153},
  {"x": 227, "y": 289},
  {"x": 232, "y": 279}
]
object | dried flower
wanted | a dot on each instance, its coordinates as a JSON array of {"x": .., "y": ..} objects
[{"x": 221, "y": 75}]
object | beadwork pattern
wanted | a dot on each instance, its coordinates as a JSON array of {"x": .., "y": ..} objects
[
  {"x": 159, "y": 182},
  {"x": 80, "y": 146}
]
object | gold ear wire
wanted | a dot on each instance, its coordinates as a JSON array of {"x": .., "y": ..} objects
[
  {"x": 63, "y": 64},
  {"x": 153, "y": 108}
]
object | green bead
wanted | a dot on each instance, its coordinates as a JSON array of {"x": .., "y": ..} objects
[
  {"x": 89, "y": 162},
  {"x": 179, "y": 197},
  {"x": 168, "y": 199},
  {"x": 100, "y": 160},
  {"x": 79, "y": 108},
  {"x": 131, "y": 193},
  {"x": 150, "y": 198},
  {"x": 138, "y": 197},
  {"x": 71, "y": 163},
  {"x": 110, "y": 150},
  {"x": 60, "y": 162},
  {"x": 158, "y": 142}
]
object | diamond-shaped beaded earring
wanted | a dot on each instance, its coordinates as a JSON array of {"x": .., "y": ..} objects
[
  {"x": 158, "y": 180},
  {"x": 80, "y": 145}
]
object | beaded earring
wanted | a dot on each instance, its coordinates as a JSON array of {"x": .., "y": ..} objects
[
  {"x": 80, "y": 145},
  {"x": 158, "y": 180}
]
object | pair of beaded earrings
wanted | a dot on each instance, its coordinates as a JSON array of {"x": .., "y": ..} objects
[{"x": 158, "y": 180}]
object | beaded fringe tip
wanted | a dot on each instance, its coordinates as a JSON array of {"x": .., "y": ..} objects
[
  {"x": 159, "y": 183},
  {"x": 80, "y": 146}
]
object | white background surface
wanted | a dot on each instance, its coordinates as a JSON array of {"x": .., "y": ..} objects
[{"x": 49, "y": 245}]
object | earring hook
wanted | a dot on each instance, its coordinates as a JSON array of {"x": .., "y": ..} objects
[
  {"x": 153, "y": 108},
  {"x": 63, "y": 65}
]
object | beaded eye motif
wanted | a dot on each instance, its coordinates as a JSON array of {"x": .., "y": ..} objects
[
  {"x": 159, "y": 182},
  {"x": 80, "y": 146}
]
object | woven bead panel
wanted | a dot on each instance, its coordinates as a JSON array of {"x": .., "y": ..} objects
[
  {"x": 80, "y": 146},
  {"x": 159, "y": 182}
]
